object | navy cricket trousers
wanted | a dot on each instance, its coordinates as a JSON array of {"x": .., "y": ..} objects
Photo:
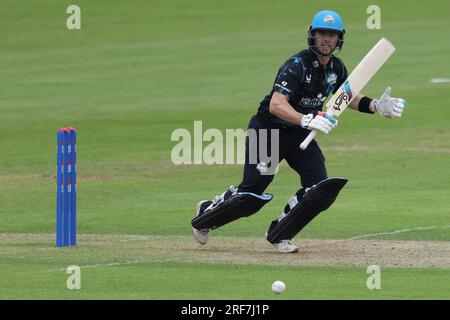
[{"x": 309, "y": 164}]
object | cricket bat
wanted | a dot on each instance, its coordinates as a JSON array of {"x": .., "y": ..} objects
[{"x": 355, "y": 82}]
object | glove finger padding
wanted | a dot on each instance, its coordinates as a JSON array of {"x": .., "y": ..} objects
[
  {"x": 322, "y": 122},
  {"x": 326, "y": 127},
  {"x": 386, "y": 93},
  {"x": 398, "y": 108},
  {"x": 388, "y": 106},
  {"x": 400, "y": 102}
]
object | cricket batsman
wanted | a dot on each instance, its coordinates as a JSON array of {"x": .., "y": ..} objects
[{"x": 294, "y": 108}]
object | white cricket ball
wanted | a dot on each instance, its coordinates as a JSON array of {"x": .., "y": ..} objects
[{"x": 278, "y": 287}]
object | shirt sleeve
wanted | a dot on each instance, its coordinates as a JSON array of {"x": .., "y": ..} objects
[{"x": 289, "y": 77}]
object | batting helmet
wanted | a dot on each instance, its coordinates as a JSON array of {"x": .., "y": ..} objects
[{"x": 327, "y": 20}]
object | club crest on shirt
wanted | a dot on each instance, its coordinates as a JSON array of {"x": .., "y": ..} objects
[{"x": 332, "y": 78}]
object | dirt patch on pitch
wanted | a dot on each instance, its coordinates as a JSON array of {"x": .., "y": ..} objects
[
  {"x": 418, "y": 254},
  {"x": 113, "y": 250}
]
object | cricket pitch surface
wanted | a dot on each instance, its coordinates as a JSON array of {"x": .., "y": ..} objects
[{"x": 98, "y": 251}]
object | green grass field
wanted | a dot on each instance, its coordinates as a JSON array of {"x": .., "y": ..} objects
[{"x": 136, "y": 71}]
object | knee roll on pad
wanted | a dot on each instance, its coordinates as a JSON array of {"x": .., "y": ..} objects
[
  {"x": 317, "y": 199},
  {"x": 239, "y": 205}
]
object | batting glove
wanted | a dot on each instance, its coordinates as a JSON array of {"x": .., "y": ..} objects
[
  {"x": 319, "y": 121},
  {"x": 388, "y": 106}
]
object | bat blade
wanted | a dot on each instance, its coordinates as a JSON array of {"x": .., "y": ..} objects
[{"x": 360, "y": 76}]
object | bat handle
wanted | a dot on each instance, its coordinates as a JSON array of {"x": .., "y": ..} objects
[{"x": 308, "y": 139}]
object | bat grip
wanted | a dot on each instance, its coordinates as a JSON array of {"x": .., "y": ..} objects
[{"x": 308, "y": 139}]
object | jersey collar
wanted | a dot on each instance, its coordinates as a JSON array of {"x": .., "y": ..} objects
[{"x": 315, "y": 61}]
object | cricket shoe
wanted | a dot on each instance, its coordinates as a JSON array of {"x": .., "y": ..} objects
[
  {"x": 286, "y": 246},
  {"x": 201, "y": 235}
]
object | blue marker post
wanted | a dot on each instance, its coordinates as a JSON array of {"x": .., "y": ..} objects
[
  {"x": 59, "y": 188},
  {"x": 66, "y": 175},
  {"x": 73, "y": 187},
  {"x": 66, "y": 205}
]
